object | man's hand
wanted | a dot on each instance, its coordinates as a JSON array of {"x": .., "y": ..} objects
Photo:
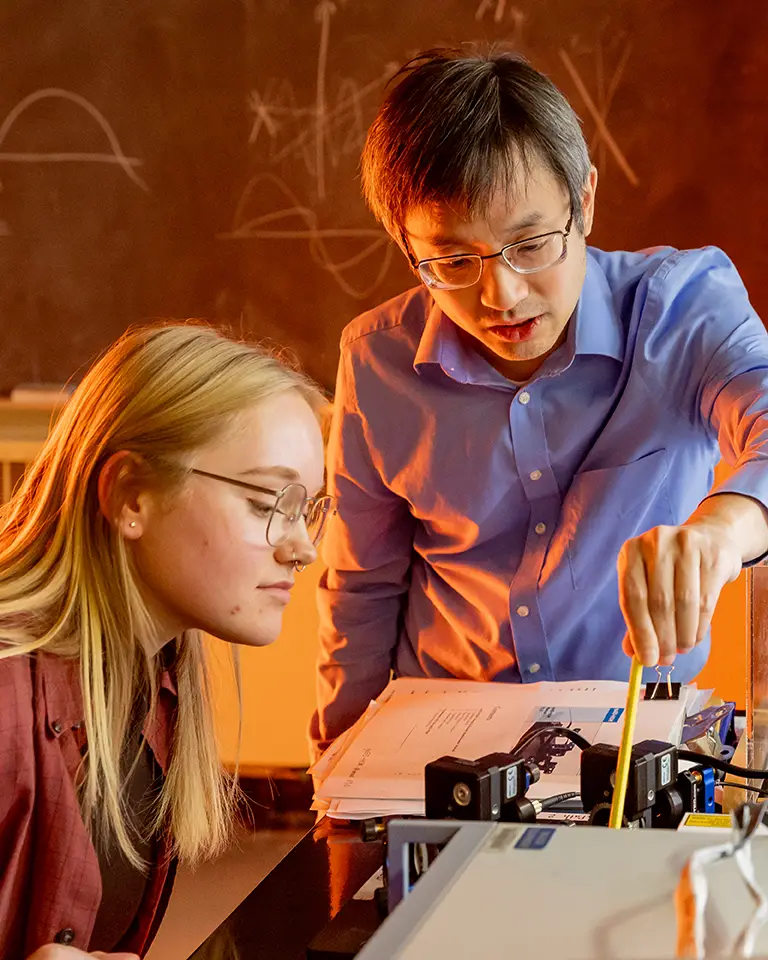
[
  {"x": 56, "y": 951},
  {"x": 670, "y": 577}
]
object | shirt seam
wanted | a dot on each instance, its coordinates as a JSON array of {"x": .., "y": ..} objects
[
  {"x": 655, "y": 299},
  {"x": 381, "y": 323},
  {"x": 382, "y": 326}
]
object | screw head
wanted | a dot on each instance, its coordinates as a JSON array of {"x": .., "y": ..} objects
[{"x": 462, "y": 794}]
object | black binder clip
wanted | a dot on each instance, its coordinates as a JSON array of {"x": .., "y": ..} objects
[{"x": 667, "y": 691}]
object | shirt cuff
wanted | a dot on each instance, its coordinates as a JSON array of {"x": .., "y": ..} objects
[{"x": 749, "y": 480}]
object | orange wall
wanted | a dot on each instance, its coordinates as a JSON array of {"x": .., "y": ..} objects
[
  {"x": 726, "y": 669},
  {"x": 278, "y": 688},
  {"x": 278, "y": 681}
]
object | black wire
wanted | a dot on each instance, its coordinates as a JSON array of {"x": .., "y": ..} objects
[
  {"x": 558, "y": 798},
  {"x": 703, "y": 759},
  {"x": 743, "y": 786},
  {"x": 581, "y": 742}
]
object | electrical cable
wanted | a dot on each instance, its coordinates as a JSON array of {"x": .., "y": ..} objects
[
  {"x": 724, "y": 765},
  {"x": 742, "y": 786},
  {"x": 524, "y": 810},
  {"x": 558, "y": 798},
  {"x": 528, "y": 738}
]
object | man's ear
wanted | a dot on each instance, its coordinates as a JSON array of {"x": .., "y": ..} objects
[
  {"x": 588, "y": 200},
  {"x": 121, "y": 482}
]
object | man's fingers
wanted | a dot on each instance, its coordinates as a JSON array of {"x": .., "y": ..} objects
[
  {"x": 114, "y": 956},
  {"x": 670, "y": 579},
  {"x": 687, "y": 589},
  {"x": 712, "y": 579},
  {"x": 633, "y": 600},
  {"x": 660, "y": 565},
  {"x": 56, "y": 951}
]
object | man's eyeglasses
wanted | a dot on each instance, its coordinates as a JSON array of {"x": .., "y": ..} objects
[
  {"x": 290, "y": 505},
  {"x": 524, "y": 256}
]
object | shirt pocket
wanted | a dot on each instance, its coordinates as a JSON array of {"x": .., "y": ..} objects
[{"x": 606, "y": 507}]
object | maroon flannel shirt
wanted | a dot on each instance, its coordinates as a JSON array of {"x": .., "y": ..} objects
[{"x": 50, "y": 882}]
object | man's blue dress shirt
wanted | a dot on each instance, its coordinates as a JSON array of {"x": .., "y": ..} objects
[{"x": 479, "y": 521}]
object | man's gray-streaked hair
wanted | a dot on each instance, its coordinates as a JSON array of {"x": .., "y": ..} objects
[{"x": 457, "y": 126}]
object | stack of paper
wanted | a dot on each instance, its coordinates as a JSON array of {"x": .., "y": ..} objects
[{"x": 377, "y": 767}]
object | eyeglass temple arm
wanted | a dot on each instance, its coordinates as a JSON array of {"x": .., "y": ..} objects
[
  {"x": 405, "y": 246},
  {"x": 235, "y": 483}
]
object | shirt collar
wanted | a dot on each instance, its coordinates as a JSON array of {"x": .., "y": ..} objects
[
  {"x": 598, "y": 329},
  {"x": 63, "y": 692},
  {"x": 434, "y": 338},
  {"x": 594, "y": 329},
  {"x": 61, "y": 685},
  {"x": 443, "y": 344}
]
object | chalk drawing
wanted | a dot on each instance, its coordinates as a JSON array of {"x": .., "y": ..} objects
[
  {"x": 303, "y": 147},
  {"x": 501, "y": 11},
  {"x": 114, "y": 156},
  {"x": 599, "y": 111},
  {"x": 323, "y": 138},
  {"x": 297, "y": 221}
]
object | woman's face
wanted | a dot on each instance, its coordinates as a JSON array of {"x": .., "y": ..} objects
[{"x": 202, "y": 555}]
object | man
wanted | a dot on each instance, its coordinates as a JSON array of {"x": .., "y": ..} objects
[{"x": 523, "y": 446}]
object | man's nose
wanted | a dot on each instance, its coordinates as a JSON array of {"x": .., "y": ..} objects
[{"x": 502, "y": 287}]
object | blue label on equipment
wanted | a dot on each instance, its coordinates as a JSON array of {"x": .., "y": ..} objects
[
  {"x": 535, "y": 838},
  {"x": 613, "y": 715}
]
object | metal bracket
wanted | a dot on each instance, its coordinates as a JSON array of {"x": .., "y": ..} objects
[
  {"x": 403, "y": 835},
  {"x": 757, "y": 665}
]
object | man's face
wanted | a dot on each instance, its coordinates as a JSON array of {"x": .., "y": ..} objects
[{"x": 516, "y": 320}]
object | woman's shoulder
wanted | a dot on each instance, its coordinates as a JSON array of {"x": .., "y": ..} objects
[
  {"x": 16, "y": 686},
  {"x": 17, "y": 734},
  {"x": 34, "y": 684}
]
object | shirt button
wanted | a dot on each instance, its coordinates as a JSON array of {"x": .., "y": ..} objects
[
  {"x": 534, "y": 668},
  {"x": 56, "y": 727},
  {"x": 524, "y": 397},
  {"x": 67, "y": 935},
  {"x": 540, "y": 528},
  {"x": 522, "y": 610},
  {"x": 535, "y": 474}
]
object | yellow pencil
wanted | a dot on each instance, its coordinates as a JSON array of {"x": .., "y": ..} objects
[{"x": 625, "y": 750}]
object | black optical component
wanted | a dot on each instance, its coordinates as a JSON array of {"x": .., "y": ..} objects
[
  {"x": 653, "y": 769},
  {"x": 482, "y": 789}
]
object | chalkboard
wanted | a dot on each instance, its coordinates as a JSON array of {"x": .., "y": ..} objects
[{"x": 172, "y": 158}]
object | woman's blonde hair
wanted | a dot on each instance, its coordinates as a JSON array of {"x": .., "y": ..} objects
[{"x": 66, "y": 582}]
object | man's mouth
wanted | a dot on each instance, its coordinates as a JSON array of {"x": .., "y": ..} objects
[{"x": 515, "y": 331}]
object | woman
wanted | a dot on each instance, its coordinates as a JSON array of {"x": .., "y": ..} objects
[{"x": 174, "y": 495}]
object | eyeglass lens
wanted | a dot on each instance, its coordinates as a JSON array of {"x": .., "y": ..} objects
[
  {"x": 465, "y": 271},
  {"x": 288, "y": 510}
]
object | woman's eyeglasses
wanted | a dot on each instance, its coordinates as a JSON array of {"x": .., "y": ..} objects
[{"x": 290, "y": 505}]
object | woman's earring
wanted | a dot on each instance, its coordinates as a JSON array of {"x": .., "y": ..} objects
[{"x": 132, "y": 523}]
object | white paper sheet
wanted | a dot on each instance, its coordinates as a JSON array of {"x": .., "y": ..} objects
[{"x": 421, "y": 720}]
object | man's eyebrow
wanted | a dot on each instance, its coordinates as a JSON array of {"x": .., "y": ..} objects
[
  {"x": 285, "y": 473},
  {"x": 446, "y": 240}
]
